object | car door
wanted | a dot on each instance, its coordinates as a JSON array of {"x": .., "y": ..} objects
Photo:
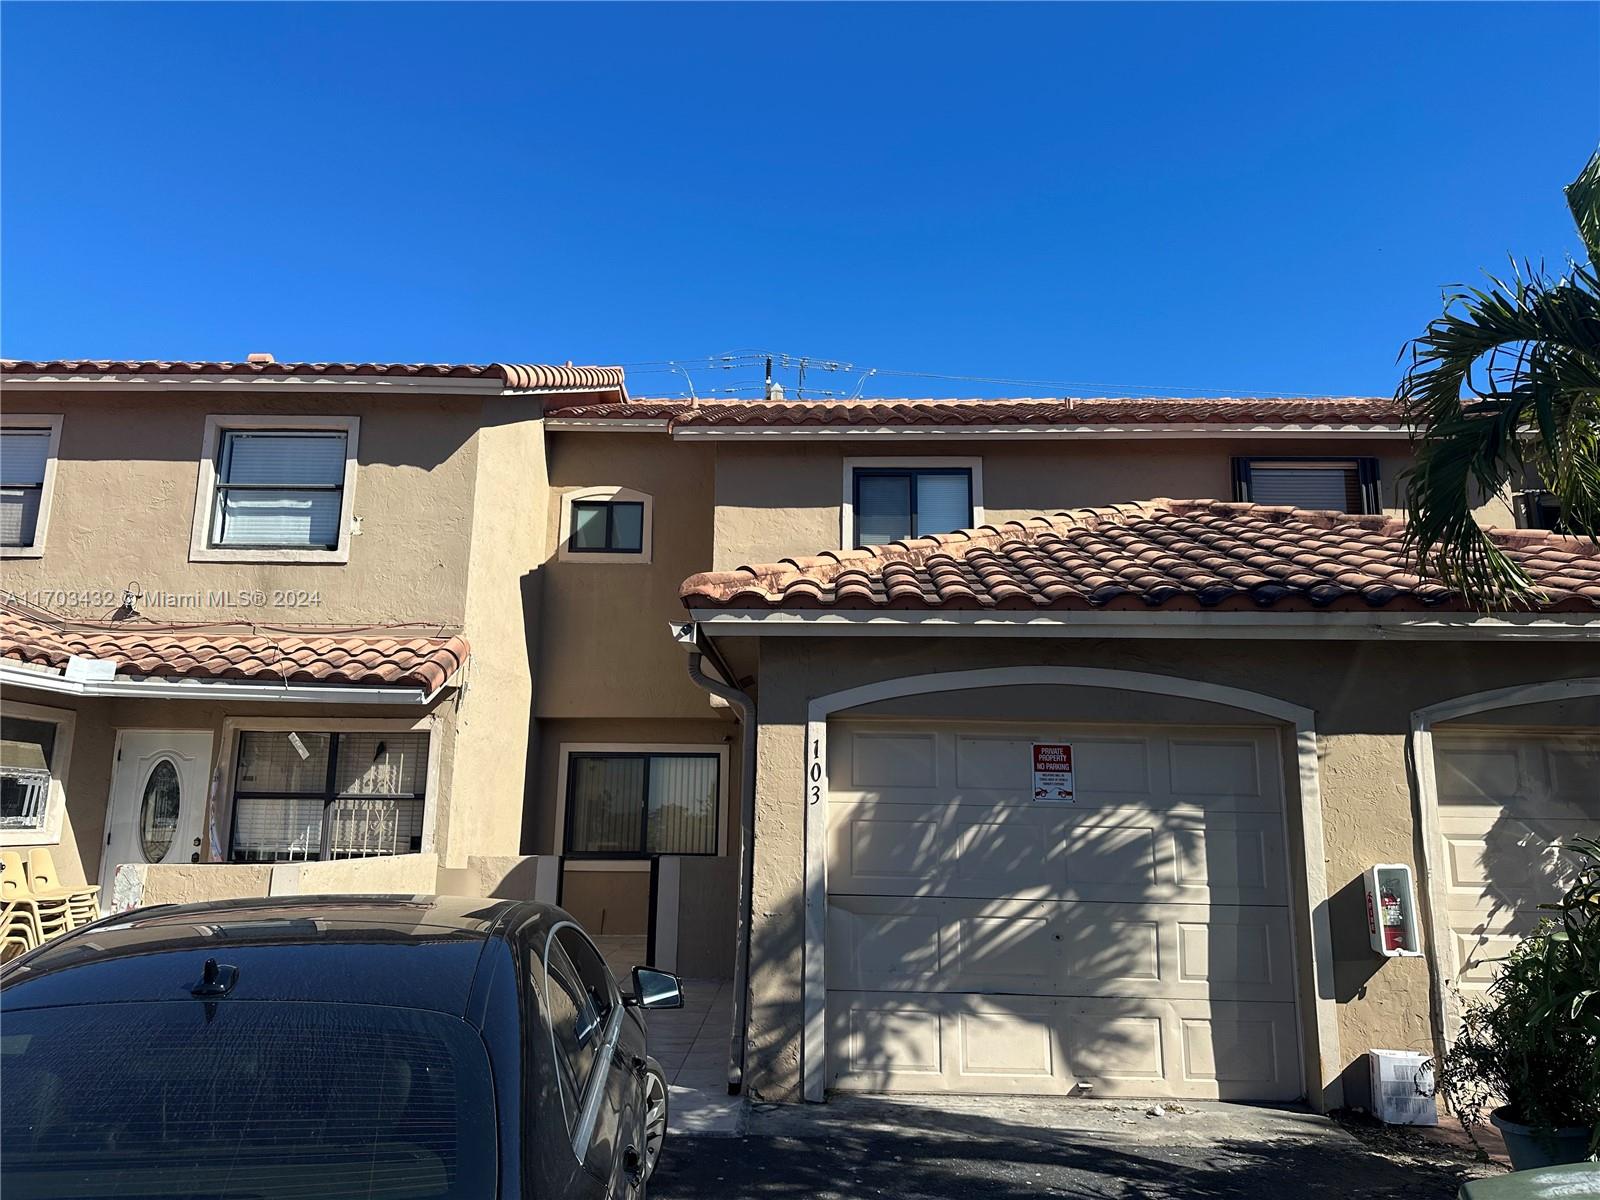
[{"x": 616, "y": 1151}]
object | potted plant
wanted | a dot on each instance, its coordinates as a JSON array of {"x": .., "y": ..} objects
[{"x": 1532, "y": 1047}]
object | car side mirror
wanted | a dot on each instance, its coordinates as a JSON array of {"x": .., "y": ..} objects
[{"x": 655, "y": 989}]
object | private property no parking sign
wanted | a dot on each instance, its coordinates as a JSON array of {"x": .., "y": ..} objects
[{"x": 1052, "y": 772}]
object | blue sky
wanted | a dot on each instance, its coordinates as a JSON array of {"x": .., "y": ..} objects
[{"x": 1234, "y": 199}]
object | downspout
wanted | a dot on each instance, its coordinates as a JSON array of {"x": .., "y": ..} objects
[{"x": 746, "y": 708}]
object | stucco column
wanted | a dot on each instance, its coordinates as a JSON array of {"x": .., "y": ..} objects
[{"x": 777, "y": 1014}]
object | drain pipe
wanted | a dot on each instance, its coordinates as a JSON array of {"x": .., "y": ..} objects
[{"x": 746, "y": 708}]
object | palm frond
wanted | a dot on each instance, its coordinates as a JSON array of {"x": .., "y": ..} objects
[{"x": 1506, "y": 381}]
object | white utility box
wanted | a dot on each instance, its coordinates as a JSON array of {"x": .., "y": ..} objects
[
  {"x": 1392, "y": 920},
  {"x": 1402, "y": 1087}
]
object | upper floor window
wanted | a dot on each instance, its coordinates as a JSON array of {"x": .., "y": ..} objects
[
  {"x": 609, "y": 524},
  {"x": 276, "y": 489},
  {"x": 279, "y": 489},
  {"x": 612, "y": 526},
  {"x": 888, "y": 501},
  {"x": 27, "y": 470},
  {"x": 1340, "y": 484}
]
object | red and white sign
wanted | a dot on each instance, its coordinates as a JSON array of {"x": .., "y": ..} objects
[{"x": 1052, "y": 772}]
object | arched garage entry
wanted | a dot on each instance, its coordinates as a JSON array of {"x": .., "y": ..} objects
[{"x": 1305, "y": 892}]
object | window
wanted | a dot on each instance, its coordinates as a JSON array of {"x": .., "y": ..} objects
[
  {"x": 27, "y": 749},
  {"x": 605, "y": 525},
  {"x": 579, "y": 999},
  {"x": 640, "y": 804},
  {"x": 303, "y": 1099},
  {"x": 574, "y": 1028},
  {"x": 279, "y": 490},
  {"x": 27, "y": 472},
  {"x": 300, "y": 796},
  {"x": 887, "y": 501},
  {"x": 275, "y": 489},
  {"x": 35, "y": 752},
  {"x": 1342, "y": 485}
]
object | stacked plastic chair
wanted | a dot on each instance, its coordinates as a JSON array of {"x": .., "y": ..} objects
[
  {"x": 20, "y": 930},
  {"x": 83, "y": 903},
  {"x": 33, "y": 907}
]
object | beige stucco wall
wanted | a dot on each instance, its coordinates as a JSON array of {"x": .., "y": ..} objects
[
  {"x": 1363, "y": 694},
  {"x": 491, "y": 752},
  {"x": 605, "y": 650},
  {"x": 124, "y": 499},
  {"x": 783, "y": 499}
]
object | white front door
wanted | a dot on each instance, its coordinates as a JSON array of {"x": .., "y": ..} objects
[{"x": 158, "y": 799}]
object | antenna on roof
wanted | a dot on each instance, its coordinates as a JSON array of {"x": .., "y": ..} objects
[{"x": 693, "y": 399}]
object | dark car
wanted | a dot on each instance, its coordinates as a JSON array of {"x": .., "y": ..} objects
[{"x": 328, "y": 1047}]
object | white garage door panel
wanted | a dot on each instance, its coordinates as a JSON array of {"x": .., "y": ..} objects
[
  {"x": 1123, "y": 854},
  {"x": 1186, "y": 1049},
  {"x": 1136, "y": 940},
  {"x": 1508, "y": 801},
  {"x": 1049, "y": 948}
]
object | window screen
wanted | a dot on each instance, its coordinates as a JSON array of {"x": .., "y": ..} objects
[
  {"x": 607, "y": 526},
  {"x": 1348, "y": 485},
  {"x": 27, "y": 748},
  {"x": 279, "y": 490},
  {"x": 24, "y": 453},
  {"x": 352, "y": 795},
  {"x": 639, "y": 805},
  {"x": 892, "y": 504},
  {"x": 242, "y": 1101}
]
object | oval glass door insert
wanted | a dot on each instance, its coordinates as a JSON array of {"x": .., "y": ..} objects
[{"x": 158, "y": 813}]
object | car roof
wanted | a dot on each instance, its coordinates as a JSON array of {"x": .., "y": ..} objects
[{"x": 402, "y": 951}]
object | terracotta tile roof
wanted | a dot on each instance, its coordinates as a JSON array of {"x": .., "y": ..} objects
[
  {"x": 1356, "y": 412},
  {"x": 1168, "y": 554},
  {"x": 29, "y": 635},
  {"x": 522, "y": 376}
]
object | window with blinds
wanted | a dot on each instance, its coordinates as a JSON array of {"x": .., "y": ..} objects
[
  {"x": 279, "y": 489},
  {"x": 1340, "y": 485},
  {"x": 335, "y": 795},
  {"x": 622, "y": 805},
  {"x": 24, "y": 454},
  {"x": 892, "y": 504}
]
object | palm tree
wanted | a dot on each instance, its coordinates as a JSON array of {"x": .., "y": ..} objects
[{"x": 1503, "y": 385}]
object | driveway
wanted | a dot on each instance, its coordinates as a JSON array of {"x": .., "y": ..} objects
[{"x": 1020, "y": 1149}]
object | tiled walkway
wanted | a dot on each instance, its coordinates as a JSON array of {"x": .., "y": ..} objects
[{"x": 691, "y": 1044}]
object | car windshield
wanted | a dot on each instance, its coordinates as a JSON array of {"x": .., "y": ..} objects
[{"x": 233, "y": 1099}]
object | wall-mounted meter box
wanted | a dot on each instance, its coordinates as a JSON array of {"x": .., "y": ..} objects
[{"x": 1392, "y": 917}]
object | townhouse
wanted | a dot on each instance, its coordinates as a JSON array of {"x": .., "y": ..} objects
[{"x": 1076, "y": 800}]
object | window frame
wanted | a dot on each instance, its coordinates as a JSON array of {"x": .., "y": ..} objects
[
  {"x": 627, "y": 861},
  {"x": 1368, "y": 476},
  {"x": 849, "y": 524},
  {"x": 606, "y": 495},
  {"x": 49, "y": 423},
  {"x": 609, "y": 507},
  {"x": 48, "y": 833},
  {"x": 228, "y": 768},
  {"x": 218, "y": 426}
]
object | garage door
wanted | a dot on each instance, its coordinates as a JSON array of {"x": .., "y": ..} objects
[
  {"x": 1133, "y": 943},
  {"x": 1507, "y": 803}
]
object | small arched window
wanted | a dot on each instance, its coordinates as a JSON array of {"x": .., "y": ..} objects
[{"x": 605, "y": 525}]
